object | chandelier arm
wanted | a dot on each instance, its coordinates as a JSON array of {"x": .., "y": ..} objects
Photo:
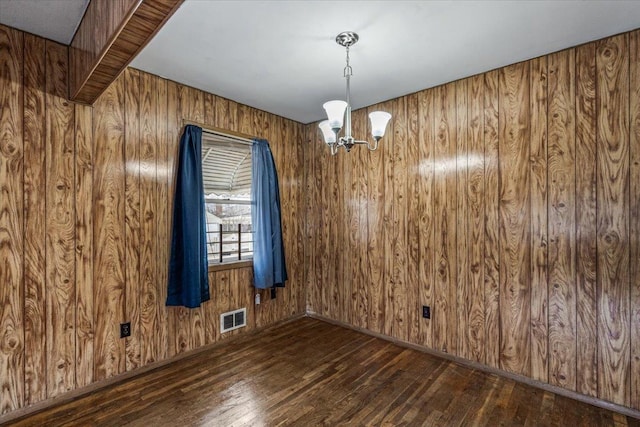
[{"x": 375, "y": 145}]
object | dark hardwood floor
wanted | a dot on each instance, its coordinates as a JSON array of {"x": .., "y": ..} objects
[{"x": 308, "y": 372}]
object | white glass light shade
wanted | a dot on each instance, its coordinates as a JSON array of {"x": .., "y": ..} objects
[
  {"x": 335, "y": 113},
  {"x": 328, "y": 133},
  {"x": 379, "y": 120}
]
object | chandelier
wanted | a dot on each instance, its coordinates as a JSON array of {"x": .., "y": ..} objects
[{"x": 336, "y": 111}]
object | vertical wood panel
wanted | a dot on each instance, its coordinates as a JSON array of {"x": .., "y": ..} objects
[
  {"x": 209, "y": 109},
  {"x": 491, "y": 221},
  {"x": 310, "y": 224},
  {"x": 108, "y": 231},
  {"x": 162, "y": 216},
  {"x": 60, "y": 225},
  {"x": 223, "y": 293},
  {"x": 462, "y": 231},
  {"x": 342, "y": 286},
  {"x": 332, "y": 183},
  {"x": 192, "y": 105},
  {"x": 412, "y": 286},
  {"x": 287, "y": 193},
  {"x": 132, "y": 227},
  {"x": 389, "y": 230},
  {"x": 514, "y": 136},
  {"x": 333, "y": 290},
  {"x": 314, "y": 284},
  {"x": 212, "y": 325},
  {"x": 323, "y": 236},
  {"x": 317, "y": 210},
  {"x": 85, "y": 313},
  {"x": 449, "y": 232},
  {"x": 11, "y": 221},
  {"x": 444, "y": 312},
  {"x": 246, "y": 282},
  {"x": 586, "y": 255},
  {"x": 356, "y": 312},
  {"x": 183, "y": 324},
  {"x": 539, "y": 218},
  {"x": 297, "y": 166},
  {"x": 375, "y": 272},
  {"x": 425, "y": 207},
  {"x": 399, "y": 253},
  {"x": 474, "y": 243},
  {"x": 279, "y": 133},
  {"x": 562, "y": 219},
  {"x": 612, "y": 64},
  {"x": 221, "y": 113},
  {"x": 35, "y": 383},
  {"x": 634, "y": 219},
  {"x": 148, "y": 291},
  {"x": 292, "y": 217},
  {"x": 173, "y": 129}
]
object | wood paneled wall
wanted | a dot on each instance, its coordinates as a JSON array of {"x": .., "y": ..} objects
[
  {"x": 509, "y": 202},
  {"x": 84, "y": 224}
]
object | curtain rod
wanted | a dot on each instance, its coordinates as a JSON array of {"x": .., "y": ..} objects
[{"x": 242, "y": 137}]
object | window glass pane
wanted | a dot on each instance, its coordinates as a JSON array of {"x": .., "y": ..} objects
[
  {"x": 226, "y": 173},
  {"x": 231, "y": 223}
]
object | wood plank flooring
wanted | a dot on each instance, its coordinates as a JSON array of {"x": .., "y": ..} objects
[{"x": 308, "y": 372}]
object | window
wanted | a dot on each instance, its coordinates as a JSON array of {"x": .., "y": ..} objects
[{"x": 226, "y": 173}]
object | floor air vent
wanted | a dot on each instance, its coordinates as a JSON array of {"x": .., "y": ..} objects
[{"x": 233, "y": 320}]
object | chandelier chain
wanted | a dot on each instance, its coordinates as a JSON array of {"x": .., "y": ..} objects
[{"x": 348, "y": 71}]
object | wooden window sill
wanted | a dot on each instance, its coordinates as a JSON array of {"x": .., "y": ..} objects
[{"x": 230, "y": 265}]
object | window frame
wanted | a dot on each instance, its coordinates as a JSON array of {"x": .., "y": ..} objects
[{"x": 211, "y": 137}]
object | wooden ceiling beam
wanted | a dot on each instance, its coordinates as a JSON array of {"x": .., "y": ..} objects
[{"x": 110, "y": 35}]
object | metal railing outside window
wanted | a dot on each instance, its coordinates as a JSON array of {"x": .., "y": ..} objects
[{"x": 229, "y": 242}]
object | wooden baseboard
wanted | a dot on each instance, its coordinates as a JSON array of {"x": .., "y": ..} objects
[
  {"x": 80, "y": 392},
  {"x": 481, "y": 367}
]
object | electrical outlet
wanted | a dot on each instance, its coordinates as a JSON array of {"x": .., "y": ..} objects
[
  {"x": 125, "y": 330},
  {"x": 426, "y": 312}
]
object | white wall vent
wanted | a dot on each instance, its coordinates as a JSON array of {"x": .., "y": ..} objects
[{"x": 233, "y": 320}]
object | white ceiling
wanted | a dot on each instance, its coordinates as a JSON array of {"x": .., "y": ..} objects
[
  {"x": 280, "y": 56},
  {"x": 52, "y": 19}
]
